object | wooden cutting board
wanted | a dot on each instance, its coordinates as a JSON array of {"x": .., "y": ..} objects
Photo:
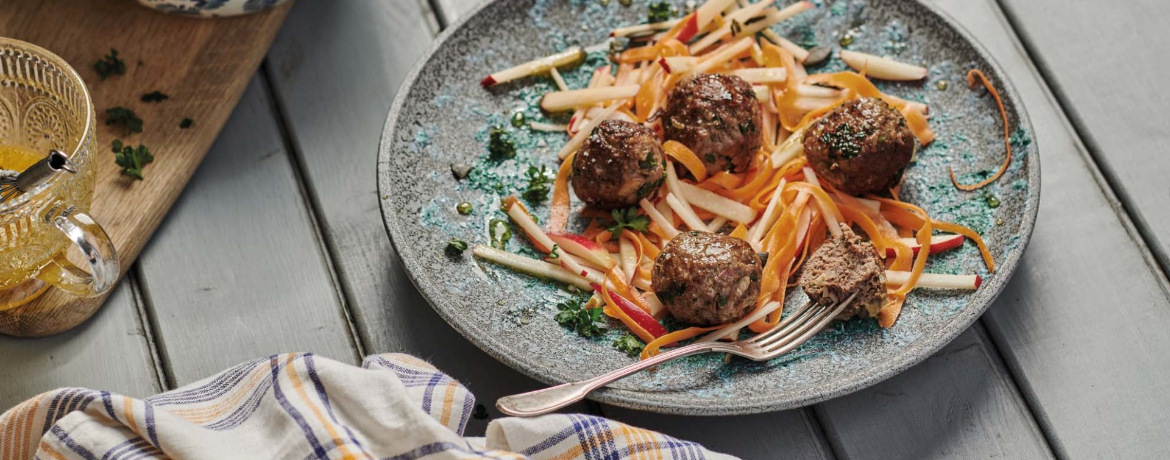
[{"x": 202, "y": 64}]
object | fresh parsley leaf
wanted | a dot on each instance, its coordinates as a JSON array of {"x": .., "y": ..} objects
[
  {"x": 500, "y": 233},
  {"x": 554, "y": 253},
  {"x": 455, "y": 247},
  {"x": 573, "y": 315},
  {"x": 629, "y": 345},
  {"x": 186, "y": 123},
  {"x": 110, "y": 65},
  {"x": 500, "y": 145},
  {"x": 131, "y": 159},
  {"x": 125, "y": 118},
  {"x": 154, "y": 96},
  {"x": 659, "y": 12},
  {"x": 628, "y": 218},
  {"x": 539, "y": 184}
]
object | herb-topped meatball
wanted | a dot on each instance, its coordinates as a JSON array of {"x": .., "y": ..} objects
[
  {"x": 717, "y": 117},
  {"x": 619, "y": 163},
  {"x": 707, "y": 279},
  {"x": 844, "y": 265},
  {"x": 861, "y": 146}
]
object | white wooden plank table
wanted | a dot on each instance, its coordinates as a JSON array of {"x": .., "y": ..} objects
[{"x": 281, "y": 227}]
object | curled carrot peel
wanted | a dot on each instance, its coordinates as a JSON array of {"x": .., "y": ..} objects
[
  {"x": 1007, "y": 143},
  {"x": 684, "y": 155},
  {"x": 558, "y": 214},
  {"x": 652, "y": 347}
]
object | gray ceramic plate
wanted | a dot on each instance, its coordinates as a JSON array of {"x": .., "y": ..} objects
[{"x": 441, "y": 116}]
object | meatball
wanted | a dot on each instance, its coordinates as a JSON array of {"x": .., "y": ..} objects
[
  {"x": 619, "y": 164},
  {"x": 717, "y": 117},
  {"x": 841, "y": 266},
  {"x": 861, "y": 146},
  {"x": 707, "y": 279}
]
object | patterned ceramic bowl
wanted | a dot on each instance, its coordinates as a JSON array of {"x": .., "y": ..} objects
[{"x": 210, "y": 8}]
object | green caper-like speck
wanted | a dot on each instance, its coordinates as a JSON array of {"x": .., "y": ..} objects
[
  {"x": 847, "y": 40},
  {"x": 464, "y": 208},
  {"x": 942, "y": 85},
  {"x": 992, "y": 201},
  {"x": 625, "y": 2},
  {"x": 518, "y": 119}
]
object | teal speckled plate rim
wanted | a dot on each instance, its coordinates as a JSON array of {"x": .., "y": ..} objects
[{"x": 676, "y": 402}]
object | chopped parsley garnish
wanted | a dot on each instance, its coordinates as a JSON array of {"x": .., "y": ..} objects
[
  {"x": 659, "y": 12},
  {"x": 648, "y": 163},
  {"x": 628, "y": 218},
  {"x": 845, "y": 141},
  {"x": 125, "y": 118},
  {"x": 186, "y": 123},
  {"x": 500, "y": 233},
  {"x": 110, "y": 65},
  {"x": 573, "y": 315},
  {"x": 539, "y": 184},
  {"x": 629, "y": 345},
  {"x": 555, "y": 252},
  {"x": 500, "y": 144},
  {"x": 131, "y": 159},
  {"x": 154, "y": 96},
  {"x": 455, "y": 247},
  {"x": 736, "y": 28}
]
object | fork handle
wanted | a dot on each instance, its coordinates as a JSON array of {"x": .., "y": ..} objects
[{"x": 543, "y": 401}]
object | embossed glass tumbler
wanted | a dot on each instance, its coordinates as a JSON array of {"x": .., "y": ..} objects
[{"x": 44, "y": 105}]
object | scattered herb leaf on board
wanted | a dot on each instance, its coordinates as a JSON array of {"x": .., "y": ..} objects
[
  {"x": 110, "y": 65},
  {"x": 126, "y": 118},
  {"x": 131, "y": 159}
]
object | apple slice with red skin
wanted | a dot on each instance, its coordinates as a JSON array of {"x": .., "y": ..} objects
[
  {"x": 584, "y": 248},
  {"x": 938, "y": 243}
]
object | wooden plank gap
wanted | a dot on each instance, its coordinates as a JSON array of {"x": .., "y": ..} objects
[
  {"x": 1107, "y": 178},
  {"x": 148, "y": 321},
  {"x": 312, "y": 209}
]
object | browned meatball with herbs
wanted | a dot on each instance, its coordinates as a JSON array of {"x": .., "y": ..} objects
[
  {"x": 619, "y": 164},
  {"x": 844, "y": 265},
  {"x": 718, "y": 117},
  {"x": 862, "y": 146},
  {"x": 707, "y": 279}
]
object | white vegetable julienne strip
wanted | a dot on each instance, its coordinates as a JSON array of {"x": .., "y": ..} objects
[
  {"x": 663, "y": 223},
  {"x": 882, "y": 68},
  {"x": 664, "y": 208},
  {"x": 757, "y": 54},
  {"x": 808, "y": 104},
  {"x": 830, "y": 219},
  {"x": 628, "y": 256},
  {"x": 704, "y": 14},
  {"x": 743, "y": 322},
  {"x": 569, "y": 56},
  {"x": 688, "y": 216},
  {"x": 763, "y": 94},
  {"x": 675, "y": 186},
  {"x": 792, "y": 147},
  {"x": 756, "y": 233},
  {"x": 935, "y": 280},
  {"x": 913, "y": 105},
  {"x": 741, "y": 16},
  {"x": 657, "y": 310},
  {"x": 525, "y": 222},
  {"x": 584, "y": 131},
  {"x": 717, "y": 204},
  {"x": 763, "y": 75},
  {"x": 772, "y": 19},
  {"x": 716, "y": 224},
  {"x": 564, "y": 100},
  {"x": 556, "y": 76},
  {"x": 549, "y": 127},
  {"x": 530, "y": 266},
  {"x": 643, "y": 284},
  {"x": 726, "y": 54},
  {"x": 630, "y": 30},
  {"x": 799, "y": 53},
  {"x": 596, "y": 112},
  {"x": 678, "y": 64},
  {"x": 818, "y": 91}
]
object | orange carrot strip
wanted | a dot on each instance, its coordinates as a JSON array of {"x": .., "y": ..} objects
[
  {"x": 558, "y": 214},
  {"x": 1007, "y": 144},
  {"x": 739, "y": 232},
  {"x": 684, "y": 155},
  {"x": 651, "y": 348}
]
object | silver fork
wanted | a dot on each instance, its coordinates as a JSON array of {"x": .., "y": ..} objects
[{"x": 789, "y": 334}]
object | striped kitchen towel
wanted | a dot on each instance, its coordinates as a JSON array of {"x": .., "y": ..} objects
[{"x": 300, "y": 406}]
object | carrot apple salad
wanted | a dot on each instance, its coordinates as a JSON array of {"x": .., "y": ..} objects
[{"x": 717, "y": 173}]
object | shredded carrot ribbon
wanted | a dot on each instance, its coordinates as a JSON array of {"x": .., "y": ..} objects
[
  {"x": 684, "y": 155},
  {"x": 1007, "y": 143},
  {"x": 558, "y": 213},
  {"x": 614, "y": 311},
  {"x": 652, "y": 347}
]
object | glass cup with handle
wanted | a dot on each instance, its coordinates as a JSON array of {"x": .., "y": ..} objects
[{"x": 45, "y": 106}]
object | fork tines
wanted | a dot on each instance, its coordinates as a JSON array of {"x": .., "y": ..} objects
[{"x": 797, "y": 328}]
